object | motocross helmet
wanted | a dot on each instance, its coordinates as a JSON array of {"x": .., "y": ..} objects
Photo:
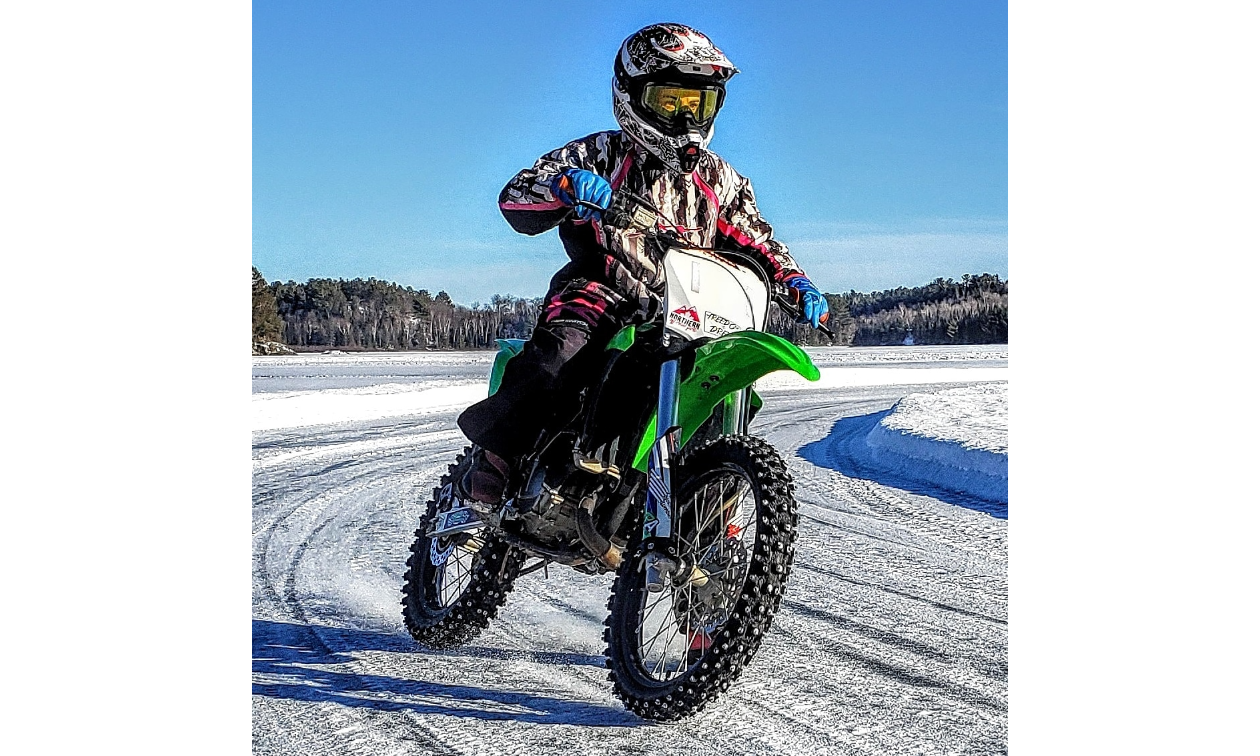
[{"x": 669, "y": 81}]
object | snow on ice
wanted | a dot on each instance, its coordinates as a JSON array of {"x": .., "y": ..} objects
[{"x": 953, "y": 439}]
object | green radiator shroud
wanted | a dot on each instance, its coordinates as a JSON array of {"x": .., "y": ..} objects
[{"x": 508, "y": 348}]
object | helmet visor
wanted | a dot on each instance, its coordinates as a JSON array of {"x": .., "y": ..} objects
[{"x": 670, "y": 101}]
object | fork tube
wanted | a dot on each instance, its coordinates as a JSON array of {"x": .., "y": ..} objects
[
  {"x": 658, "y": 519},
  {"x": 667, "y": 399},
  {"x": 735, "y": 412}
]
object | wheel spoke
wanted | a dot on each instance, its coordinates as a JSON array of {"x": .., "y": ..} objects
[
  {"x": 655, "y": 602},
  {"x": 660, "y": 629}
]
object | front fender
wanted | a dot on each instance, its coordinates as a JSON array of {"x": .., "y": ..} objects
[{"x": 723, "y": 366}]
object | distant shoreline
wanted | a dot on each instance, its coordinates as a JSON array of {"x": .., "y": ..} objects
[
  {"x": 371, "y": 315},
  {"x": 302, "y": 351}
]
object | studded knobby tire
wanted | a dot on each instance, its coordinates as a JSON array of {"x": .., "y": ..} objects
[
  {"x": 494, "y": 569},
  {"x": 735, "y": 642}
]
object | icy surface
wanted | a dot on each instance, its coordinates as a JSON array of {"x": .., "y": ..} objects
[
  {"x": 321, "y": 372},
  {"x": 292, "y": 409},
  {"x": 891, "y": 638},
  {"x": 980, "y": 355}
]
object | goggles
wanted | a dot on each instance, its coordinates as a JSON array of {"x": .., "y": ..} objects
[{"x": 671, "y": 101}]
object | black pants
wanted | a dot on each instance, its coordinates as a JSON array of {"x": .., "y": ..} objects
[
  {"x": 539, "y": 390},
  {"x": 541, "y": 385}
]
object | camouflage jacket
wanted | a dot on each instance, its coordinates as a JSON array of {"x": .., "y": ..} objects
[{"x": 712, "y": 207}]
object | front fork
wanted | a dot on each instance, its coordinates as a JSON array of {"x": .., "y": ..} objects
[{"x": 662, "y": 559}]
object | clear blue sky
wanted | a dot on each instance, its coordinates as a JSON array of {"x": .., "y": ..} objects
[{"x": 874, "y": 132}]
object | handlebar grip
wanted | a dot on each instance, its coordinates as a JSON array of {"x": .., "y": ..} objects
[
  {"x": 822, "y": 325},
  {"x": 790, "y": 299}
]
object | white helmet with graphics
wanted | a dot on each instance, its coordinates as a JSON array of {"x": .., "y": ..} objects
[{"x": 669, "y": 82}]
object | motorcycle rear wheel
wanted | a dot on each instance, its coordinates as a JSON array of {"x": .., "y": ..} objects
[
  {"x": 735, "y": 525},
  {"x": 455, "y": 585}
]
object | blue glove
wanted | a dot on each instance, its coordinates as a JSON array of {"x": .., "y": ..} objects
[
  {"x": 576, "y": 185},
  {"x": 813, "y": 304}
]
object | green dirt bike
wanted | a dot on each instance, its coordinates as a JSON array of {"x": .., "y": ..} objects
[{"x": 655, "y": 478}]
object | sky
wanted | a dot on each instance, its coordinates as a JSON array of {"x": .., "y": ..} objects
[{"x": 874, "y": 134}]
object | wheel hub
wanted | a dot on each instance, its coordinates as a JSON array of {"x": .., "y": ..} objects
[{"x": 702, "y": 588}]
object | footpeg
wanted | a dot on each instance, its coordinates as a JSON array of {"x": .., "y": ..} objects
[{"x": 595, "y": 465}]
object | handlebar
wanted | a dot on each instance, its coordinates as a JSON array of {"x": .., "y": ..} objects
[
  {"x": 790, "y": 300},
  {"x": 630, "y": 211}
]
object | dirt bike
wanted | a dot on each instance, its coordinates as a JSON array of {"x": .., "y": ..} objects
[{"x": 655, "y": 478}]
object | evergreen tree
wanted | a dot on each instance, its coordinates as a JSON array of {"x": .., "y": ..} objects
[
  {"x": 369, "y": 314},
  {"x": 267, "y": 323}
]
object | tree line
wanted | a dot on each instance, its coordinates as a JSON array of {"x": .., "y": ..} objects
[
  {"x": 369, "y": 314},
  {"x": 970, "y": 311}
]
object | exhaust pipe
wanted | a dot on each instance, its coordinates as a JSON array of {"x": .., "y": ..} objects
[{"x": 607, "y": 552}]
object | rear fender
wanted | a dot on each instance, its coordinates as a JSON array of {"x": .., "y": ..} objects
[{"x": 725, "y": 365}]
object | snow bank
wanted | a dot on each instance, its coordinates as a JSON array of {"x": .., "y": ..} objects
[{"x": 954, "y": 439}]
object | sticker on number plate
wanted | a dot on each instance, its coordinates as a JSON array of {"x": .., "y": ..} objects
[
  {"x": 685, "y": 318},
  {"x": 718, "y": 325}
]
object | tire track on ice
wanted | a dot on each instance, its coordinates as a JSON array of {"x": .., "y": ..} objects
[
  {"x": 355, "y": 737},
  {"x": 368, "y": 672},
  {"x": 730, "y": 724},
  {"x": 886, "y": 589}
]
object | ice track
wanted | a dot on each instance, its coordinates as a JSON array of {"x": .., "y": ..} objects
[{"x": 892, "y": 637}]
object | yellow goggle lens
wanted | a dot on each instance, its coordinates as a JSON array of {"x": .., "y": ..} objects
[{"x": 670, "y": 102}]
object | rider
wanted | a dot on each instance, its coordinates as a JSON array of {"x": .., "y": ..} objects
[{"x": 669, "y": 81}]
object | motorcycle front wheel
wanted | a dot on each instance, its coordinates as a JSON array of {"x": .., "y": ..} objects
[{"x": 673, "y": 651}]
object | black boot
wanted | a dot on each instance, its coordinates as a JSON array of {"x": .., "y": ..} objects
[{"x": 486, "y": 479}]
